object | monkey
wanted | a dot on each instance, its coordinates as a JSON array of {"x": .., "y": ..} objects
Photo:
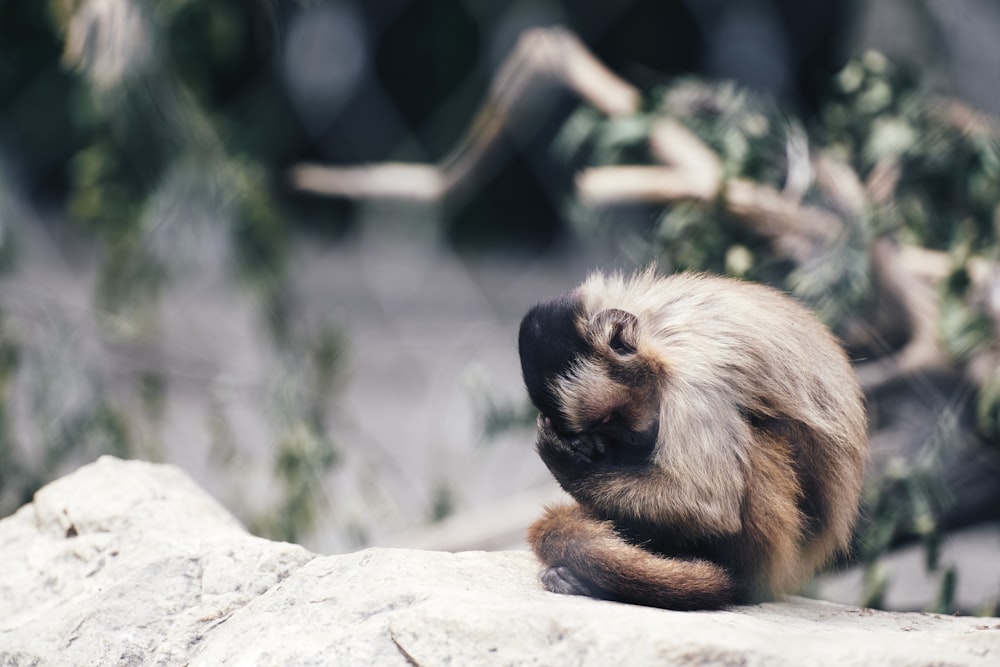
[{"x": 710, "y": 430}]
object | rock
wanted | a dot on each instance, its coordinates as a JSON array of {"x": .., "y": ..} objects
[
  {"x": 126, "y": 563},
  {"x": 129, "y": 563}
]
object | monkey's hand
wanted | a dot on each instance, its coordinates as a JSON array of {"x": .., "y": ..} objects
[{"x": 566, "y": 456}]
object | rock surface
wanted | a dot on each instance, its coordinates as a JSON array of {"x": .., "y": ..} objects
[{"x": 130, "y": 563}]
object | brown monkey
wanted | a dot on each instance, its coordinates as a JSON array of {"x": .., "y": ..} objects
[{"x": 711, "y": 431}]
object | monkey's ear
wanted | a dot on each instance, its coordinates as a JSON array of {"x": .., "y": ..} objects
[{"x": 620, "y": 327}]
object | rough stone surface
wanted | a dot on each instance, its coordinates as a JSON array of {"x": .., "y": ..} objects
[{"x": 130, "y": 563}]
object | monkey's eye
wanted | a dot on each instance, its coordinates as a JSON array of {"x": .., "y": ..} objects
[{"x": 620, "y": 343}]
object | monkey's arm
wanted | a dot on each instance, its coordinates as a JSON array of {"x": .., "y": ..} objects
[
  {"x": 640, "y": 493},
  {"x": 585, "y": 556}
]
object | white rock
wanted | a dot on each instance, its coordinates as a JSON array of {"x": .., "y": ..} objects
[
  {"x": 158, "y": 573},
  {"x": 126, "y": 563}
]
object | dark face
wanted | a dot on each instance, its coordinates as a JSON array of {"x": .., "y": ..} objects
[
  {"x": 618, "y": 401},
  {"x": 548, "y": 344}
]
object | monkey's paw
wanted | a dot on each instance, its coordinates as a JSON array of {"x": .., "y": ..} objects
[
  {"x": 581, "y": 448},
  {"x": 560, "y": 579}
]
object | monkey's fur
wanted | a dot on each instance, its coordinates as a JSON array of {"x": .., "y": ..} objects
[{"x": 711, "y": 431}]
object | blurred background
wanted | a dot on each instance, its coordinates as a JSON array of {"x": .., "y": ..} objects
[{"x": 286, "y": 245}]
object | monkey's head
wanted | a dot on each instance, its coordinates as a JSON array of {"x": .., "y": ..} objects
[{"x": 590, "y": 376}]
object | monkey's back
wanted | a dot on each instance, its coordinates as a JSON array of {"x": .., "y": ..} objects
[
  {"x": 752, "y": 369},
  {"x": 711, "y": 430}
]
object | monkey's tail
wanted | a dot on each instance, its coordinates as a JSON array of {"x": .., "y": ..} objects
[{"x": 586, "y": 556}]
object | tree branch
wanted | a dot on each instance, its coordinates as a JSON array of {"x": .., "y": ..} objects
[{"x": 544, "y": 59}]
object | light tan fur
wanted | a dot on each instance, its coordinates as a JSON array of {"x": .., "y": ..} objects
[{"x": 758, "y": 459}]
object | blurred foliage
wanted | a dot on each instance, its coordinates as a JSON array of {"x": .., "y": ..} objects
[
  {"x": 53, "y": 399},
  {"x": 152, "y": 164},
  {"x": 499, "y": 417},
  {"x": 755, "y": 139},
  {"x": 948, "y": 198},
  {"x": 306, "y": 450},
  {"x": 907, "y": 497},
  {"x": 14, "y": 488},
  {"x": 154, "y": 138},
  {"x": 443, "y": 502}
]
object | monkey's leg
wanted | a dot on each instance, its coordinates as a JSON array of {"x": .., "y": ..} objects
[{"x": 585, "y": 556}]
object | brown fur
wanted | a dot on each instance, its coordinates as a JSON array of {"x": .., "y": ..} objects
[{"x": 754, "y": 476}]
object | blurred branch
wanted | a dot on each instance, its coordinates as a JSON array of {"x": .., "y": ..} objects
[
  {"x": 389, "y": 180},
  {"x": 902, "y": 297},
  {"x": 544, "y": 58},
  {"x": 966, "y": 119},
  {"x": 695, "y": 173}
]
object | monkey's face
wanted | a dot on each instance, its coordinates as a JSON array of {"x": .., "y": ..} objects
[{"x": 588, "y": 375}]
